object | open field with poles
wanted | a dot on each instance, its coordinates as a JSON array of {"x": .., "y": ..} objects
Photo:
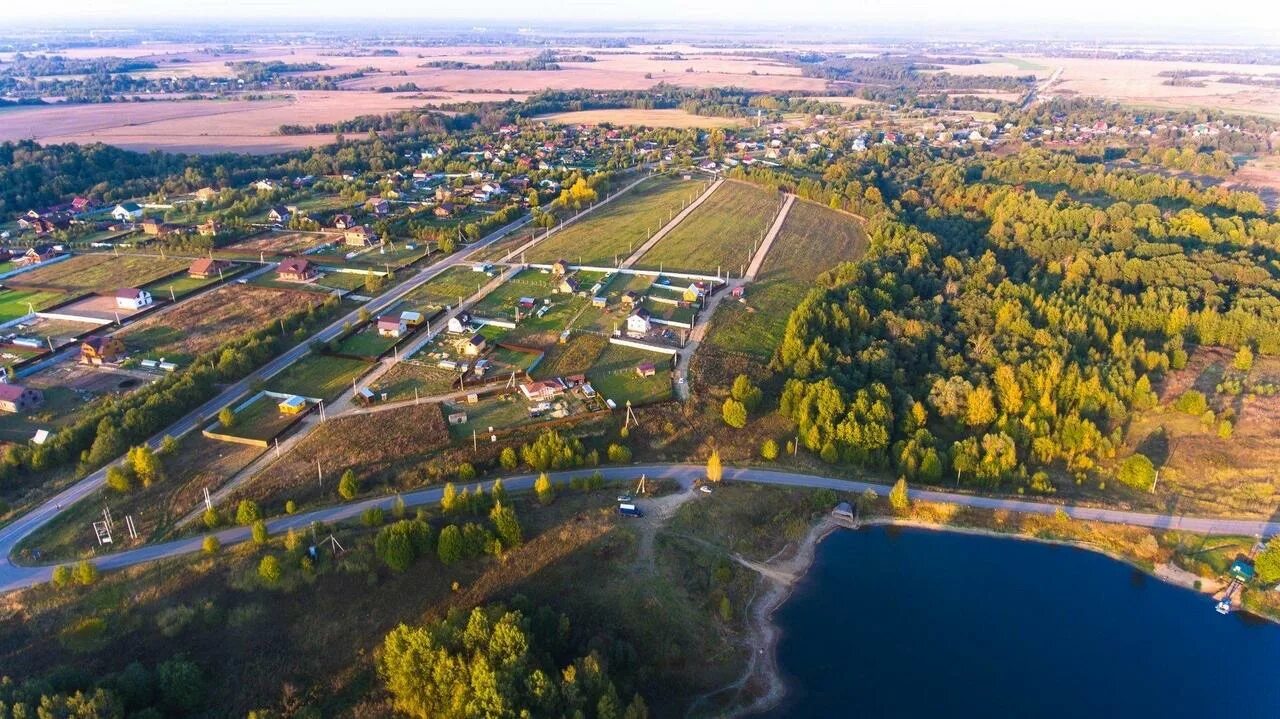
[
  {"x": 270, "y": 244},
  {"x": 407, "y": 376},
  {"x": 320, "y": 376},
  {"x": 446, "y": 289},
  {"x": 205, "y": 322},
  {"x": 178, "y": 287},
  {"x": 576, "y": 356},
  {"x": 611, "y": 232},
  {"x": 721, "y": 233},
  {"x": 99, "y": 273},
  {"x": 810, "y": 231},
  {"x": 366, "y": 342}
]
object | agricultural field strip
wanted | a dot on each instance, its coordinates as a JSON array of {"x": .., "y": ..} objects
[
  {"x": 640, "y": 251},
  {"x": 723, "y": 233},
  {"x": 535, "y": 240},
  {"x": 778, "y": 221}
]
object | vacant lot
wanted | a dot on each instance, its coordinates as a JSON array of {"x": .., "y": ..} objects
[
  {"x": 261, "y": 420},
  {"x": 447, "y": 288},
  {"x": 17, "y": 303},
  {"x": 406, "y": 377},
  {"x": 648, "y": 118},
  {"x": 721, "y": 233},
  {"x": 576, "y": 356},
  {"x": 320, "y": 376},
  {"x": 183, "y": 285},
  {"x": 813, "y": 238},
  {"x": 203, "y": 324},
  {"x": 614, "y": 230},
  {"x": 614, "y": 376},
  {"x": 99, "y": 273},
  {"x": 275, "y": 244},
  {"x": 367, "y": 342}
]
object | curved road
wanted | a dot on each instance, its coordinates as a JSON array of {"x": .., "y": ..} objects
[{"x": 13, "y": 577}]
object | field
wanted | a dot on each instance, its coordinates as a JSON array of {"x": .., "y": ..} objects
[
  {"x": 405, "y": 376},
  {"x": 99, "y": 273},
  {"x": 260, "y": 420},
  {"x": 616, "y": 228},
  {"x": 614, "y": 376},
  {"x": 319, "y": 376},
  {"x": 366, "y": 342},
  {"x": 648, "y": 118},
  {"x": 17, "y": 303},
  {"x": 274, "y": 244},
  {"x": 447, "y": 288},
  {"x": 183, "y": 285},
  {"x": 720, "y": 233},
  {"x": 813, "y": 239},
  {"x": 204, "y": 323},
  {"x": 573, "y": 357}
]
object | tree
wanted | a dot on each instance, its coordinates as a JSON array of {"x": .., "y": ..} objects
[
  {"x": 211, "y": 545},
  {"x": 1244, "y": 359},
  {"x": 86, "y": 573},
  {"x": 543, "y": 489},
  {"x": 1138, "y": 472},
  {"x": 769, "y": 449},
  {"x": 211, "y": 518},
  {"x": 899, "y": 500},
  {"x": 146, "y": 465},
  {"x": 734, "y": 413},
  {"x": 619, "y": 453},
  {"x": 269, "y": 570},
  {"x": 980, "y": 407},
  {"x": 259, "y": 533},
  {"x": 746, "y": 392},
  {"x": 449, "y": 545},
  {"x": 247, "y": 512},
  {"x": 715, "y": 472},
  {"x": 398, "y": 545},
  {"x": 1267, "y": 563},
  {"x": 118, "y": 479},
  {"x": 506, "y": 525},
  {"x": 498, "y": 492},
  {"x": 508, "y": 459},
  {"x": 180, "y": 687},
  {"x": 466, "y": 472},
  {"x": 348, "y": 485},
  {"x": 227, "y": 417},
  {"x": 62, "y": 576},
  {"x": 449, "y": 498}
]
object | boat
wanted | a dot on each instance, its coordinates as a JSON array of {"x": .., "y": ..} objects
[{"x": 1223, "y": 607}]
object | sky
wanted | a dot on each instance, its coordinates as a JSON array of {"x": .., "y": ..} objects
[{"x": 1242, "y": 20}]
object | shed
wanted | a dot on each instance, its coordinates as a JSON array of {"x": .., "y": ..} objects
[{"x": 293, "y": 404}]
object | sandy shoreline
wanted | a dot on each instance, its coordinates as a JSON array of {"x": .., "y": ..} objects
[{"x": 780, "y": 575}]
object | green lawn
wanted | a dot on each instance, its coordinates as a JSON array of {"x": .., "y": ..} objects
[
  {"x": 344, "y": 281},
  {"x": 401, "y": 380},
  {"x": 445, "y": 289},
  {"x": 366, "y": 343},
  {"x": 320, "y": 376},
  {"x": 614, "y": 376},
  {"x": 60, "y": 405},
  {"x": 617, "y": 228},
  {"x": 186, "y": 284},
  {"x": 260, "y": 420},
  {"x": 496, "y": 412},
  {"x": 101, "y": 272},
  {"x": 14, "y": 303},
  {"x": 789, "y": 270},
  {"x": 720, "y": 233}
]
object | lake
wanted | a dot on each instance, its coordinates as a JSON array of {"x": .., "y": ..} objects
[{"x": 894, "y": 622}]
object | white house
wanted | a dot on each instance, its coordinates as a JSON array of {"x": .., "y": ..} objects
[
  {"x": 127, "y": 211},
  {"x": 458, "y": 324},
  {"x": 638, "y": 322},
  {"x": 132, "y": 298}
]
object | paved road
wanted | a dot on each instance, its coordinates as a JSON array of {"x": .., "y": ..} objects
[
  {"x": 13, "y": 577},
  {"x": 667, "y": 228},
  {"x": 14, "y": 532}
]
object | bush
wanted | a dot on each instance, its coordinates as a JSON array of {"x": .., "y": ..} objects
[
  {"x": 348, "y": 486},
  {"x": 373, "y": 517},
  {"x": 1138, "y": 472},
  {"x": 508, "y": 459},
  {"x": 542, "y": 487},
  {"x": 449, "y": 547},
  {"x": 62, "y": 576},
  {"x": 769, "y": 449},
  {"x": 899, "y": 499},
  {"x": 211, "y": 518},
  {"x": 211, "y": 545},
  {"x": 619, "y": 454},
  {"x": 466, "y": 472},
  {"x": 269, "y": 570},
  {"x": 1192, "y": 402},
  {"x": 259, "y": 533},
  {"x": 118, "y": 479},
  {"x": 290, "y": 507},
  {"x": 227, "y": 418},
  {"x": 734, "y": 413},
  {"x": 247, "y": 512},
  {"x": 1244, "y": 359},
  {"x": 86, "y": 573},
  {"x": 747, "y": 393}
]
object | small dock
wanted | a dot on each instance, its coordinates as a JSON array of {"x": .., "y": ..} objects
[{"x": 1242, "y": 572}]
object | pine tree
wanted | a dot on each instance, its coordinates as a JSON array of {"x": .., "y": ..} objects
[
  {"x": 899, "y": 501},
  {"x": 545, "y": 492},
  {"x": 348, "y": 486}
]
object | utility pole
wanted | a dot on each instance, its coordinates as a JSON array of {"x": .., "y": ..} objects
[{"x": 319, "y": 474}]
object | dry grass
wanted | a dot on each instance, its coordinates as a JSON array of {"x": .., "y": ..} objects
[
  {"x": 650, "y": 118},
  {"x": 99, "y": 273}
]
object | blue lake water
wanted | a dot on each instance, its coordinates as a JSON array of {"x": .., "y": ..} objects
[{"x": 911, "y": 623}]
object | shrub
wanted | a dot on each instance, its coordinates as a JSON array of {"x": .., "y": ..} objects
[
  {"x": 172, "y": 620},
  {"x": 118, "y": 479},
  {"x": 398, "y": 507},
  {"x": 747, "y": 393},
  {"x": 373, "y": 517},
  {"x": 449, "y": 546},
  {"x": 542, "y": 487},
  {"x": 899, "y": 499},
  {"x": 211, "y": 545},
  {"x": 466, "y": 472},
  {"x": 619, "y": 454},
  {"x": 269, "y": 570},
  {"x": 227, "y": 418},
  {"x": 1244, "y": 359},
  {"x": 211, "y": 518},
  {"x": 290, "y": 507},
  {"x": 1040, "y": 483},
  {"x": 86, "y": 573},
  {"x": 769, "y": 449},
  {"x": 259, "y": 533},
  {"x": 62, "y": 576},
  {"x": 247, "y": 512},
  {"x": 348, "y": 486},
  {"x": 1192, "y": 402},
  {"x": 734, "y": 413}
]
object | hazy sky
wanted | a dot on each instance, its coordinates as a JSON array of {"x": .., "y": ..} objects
[{"x": 1258, "y": 19}]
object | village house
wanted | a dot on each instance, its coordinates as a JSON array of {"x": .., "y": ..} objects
[
  {"x": 279, "y": 215},
  {"x": 631, "y": 299},
  {"x": 295, "y": 269},
  {"x": 390, "y": 326},
  {"x": 459, "y": 323},
  {"x": 646, "y": 369},
  {"x": 444, "y": 209},
  {"x": 15, "y": 399},
  {"x": 35, "y": 255},
  {"x": 343, "y": 222},
  {"x": 569, "y": 285},
  {"x": 206, "y": 194},
  {"x": 358, "y": 236},
  {"x": 210, "y": 228},
  {"x": 474, "y": 346},
  {"x": 638, "y": 322},
  {"x": 560, "y": 268},
  {"x": 132, "y": 298},
  {"x": 81, "y": 204},
  {"x": 378, "y": 206},
  {"x": 543, "y": 391},
  {"x": 264, "y": 185},
  {"x": 127, "y": 212},
  {"x": 101, "y": 350},
  {"x": 205, "y": 267},
  {"x": 152, "y": 226}
]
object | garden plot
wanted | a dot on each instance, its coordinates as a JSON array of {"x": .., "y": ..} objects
[
  {"x": 259, "y": 420},
  {"x": 271, "y": 245},
  {"x": 409, "y": 379},
  {"x": 447, "y": 289},
  {"x": 543, "y": 313},
  {"x": 378, "y": 259},
  {"x": 175, "y": 288},
  {"x": 720, "y": 234},
  {"x": 616, "y": 229},
  {"x": 99, "y": 273},
  {"x": 206, "y": 322},
  {"x": 320, "y": 376},
  {"x": 617, "y": 375}
]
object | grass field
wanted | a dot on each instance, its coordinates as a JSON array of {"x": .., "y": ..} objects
[
  {"x": 573, "y": 357},
  {"x": 366, "y": 343},
  {"x": 618, "y": 227},
  {"x": 403, "y": 378},
  {"x": 813, "y": 239},
  {"x": 720, "y": 233},
  {"x": 495, "y": 412},
  {"x": 614, "y": 376},
  {"x": 207, "y": 321},
  {"x": 100, "y": 273},
  {"x": 320, "y": 376},
  {"x": 260, "y": 420},
  {"x": 344, "y": 281},
  {"x": 445, "y": 289},
  {"x": 185, "y": 284},
  {"x": 17, "y": 303}
]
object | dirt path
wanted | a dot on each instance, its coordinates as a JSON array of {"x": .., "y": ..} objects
[{"x": 657, "y": 513}]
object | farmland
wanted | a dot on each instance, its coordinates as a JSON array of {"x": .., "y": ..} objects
[
  {"x": 648, "y": 118},
  {"x": 614, "y": 376},
  {"x": 719, "y": 234},
  {"x": 17, "y": 303},
  {"x": 789, "y": 270},
  {"x": 616, "y": 228},
  {"x": 99, "y": 273},
  {"x": 204, "y": 323},
  {"x": 320, "y": 376}
]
